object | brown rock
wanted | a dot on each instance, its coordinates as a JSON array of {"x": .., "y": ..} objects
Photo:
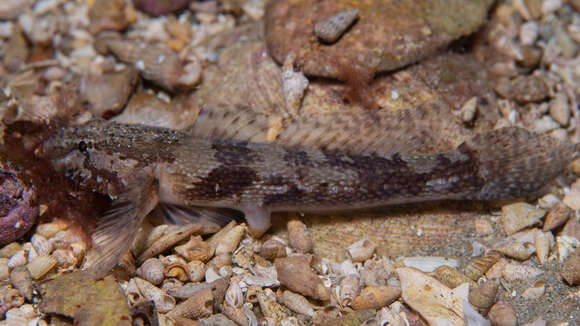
[
  {"x": 295, "y": 274},
  {"x": 387, "y": 36},
  {"x": 571, "y": 269},
  {"x": 526, "y": 89},
  {"x": 556, "y": 217}
]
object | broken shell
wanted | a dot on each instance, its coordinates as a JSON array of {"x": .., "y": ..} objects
[
  {"x": 556, "y": 217},
  {"x": 169, "y": 239},
  {"x": 196, "y": 270},
  {"x": 479, "y": 265},
  {"x": 199, "y": 305},
  {"x": 430, "y": 298},
  {"x": 391, "y": 317},
  {"x": 496, "y": 270},
  {"x": 273, "y": 248},
  {"x": 270, "y": 308},
  {"x": 332, "y": 28},
  {"x": 361, "y": 250},
  {"x": 518, "y": 216},
  {"x": 296, "y": 274},
  {"x": 515, "y": 271},
  {"x": 18, "y": 259},
  {"x": 10, "y": 250},
  {"x": 518, "y": 250},
  {"x": 230, "y": 241},
  {"x": 40, "y": 266},
  {"x": 195, "y": 249},
  {"x": 234, "y": 296},
  {"x": 483, "y": 296},
  {"x": 297, "y": 303},
  {"x": 238, "y": 315},
  {"x": 299, "y": 237},
  {"x": 571, "y": 269},
  {"x": 252, "y": 294},
  {"x": 294, "y": 85},
  {"x": 4, "y": 269},
  {"x": 376, "y": 272},
  {"x": 152, "y": 270},
  {"x": 177, "y": 270},
  {"x": 41, "y": 244},
  {"x": 535, "y": 291},
  {"x": 170, "y": 285},
  {"x": 163, "y": 302},
  {"x": 503, "y": 314},
  {"x": 220, "y": 261},
  {"x": 22, "y": 281},
  {"x": 349, "y": 289},
  {"x": 451, "y": 277},
  {"x": 543, "y": 241},
  {"x": 376, "y": 297}
]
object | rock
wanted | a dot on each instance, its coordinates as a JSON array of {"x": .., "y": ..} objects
[
  {"x": 527, "y": 89},
  {"x": 160, "y": 7},
  {"x": 388, "y": 35},
  {"x": 571, "y": 269}
]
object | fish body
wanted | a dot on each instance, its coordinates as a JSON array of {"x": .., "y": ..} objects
[{"x": 142, "y": 166}]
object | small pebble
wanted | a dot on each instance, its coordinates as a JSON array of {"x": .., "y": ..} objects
[
  {"x": 560, "y": 110},
  {"x": 332, "y": 28}
]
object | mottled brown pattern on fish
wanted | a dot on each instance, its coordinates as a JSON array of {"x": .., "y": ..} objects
[{"x": 143, "y": 166}]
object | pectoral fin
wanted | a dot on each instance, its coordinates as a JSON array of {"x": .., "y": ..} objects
[{"x": 116, "y": 231}]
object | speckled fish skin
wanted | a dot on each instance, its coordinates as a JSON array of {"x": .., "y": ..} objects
[{"x": 258, "y": 179}]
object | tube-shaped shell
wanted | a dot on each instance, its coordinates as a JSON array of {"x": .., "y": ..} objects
[
  {"x": 299, "y": 237},
  {"x": 199, "y": 305},
  {"x": 451, "y": 277},
  {"x": 296, "y": 274},
  {"x": 230, "y": 241},
  {"x": 332, "y": 28},
  {"x": 296, "y": 303},
  {"x": 349, "y": 289},
  {"x": 376, "y": 297},
  {"x": 163, "y": 302}
]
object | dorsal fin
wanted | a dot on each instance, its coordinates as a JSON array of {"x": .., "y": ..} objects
[{"x": 358, "y": 131}]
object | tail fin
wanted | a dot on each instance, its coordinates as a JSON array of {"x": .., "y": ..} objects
[{"x": 515, "y": 162}]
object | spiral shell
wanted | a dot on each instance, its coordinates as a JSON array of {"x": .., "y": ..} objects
[
  {"x": 479, "y": 265},
  {"x": 42, "y": 246},
  {"x": 349, "y": 289},
  {"x": 139, "y": 289},
  {"x": 152, "y": 270},
  {"x": 273, "y": 248},
  {"x": 196, "y": 270},
  {"x": 22, "y": 281},
  {"x": 199, "y": 305},
  {"x": 177, "y": 270},
  {"x": 483, "y": 296},
  {"x": 451, "y": 277}
]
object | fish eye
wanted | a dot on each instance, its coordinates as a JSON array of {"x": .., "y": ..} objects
[{"x": 82, "y": 146}]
